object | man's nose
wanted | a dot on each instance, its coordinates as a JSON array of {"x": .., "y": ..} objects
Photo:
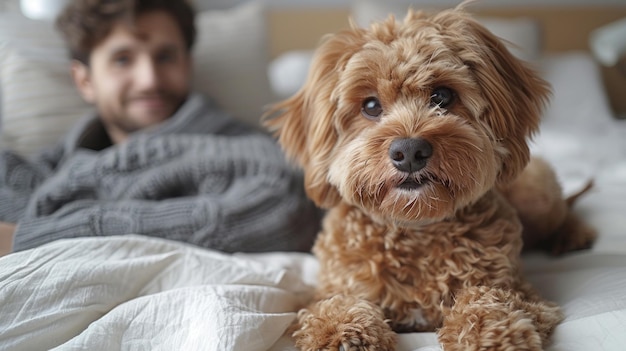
[{"x": 147, "y": 73}]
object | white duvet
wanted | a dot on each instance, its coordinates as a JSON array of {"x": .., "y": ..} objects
[
  {"x": 137, "y": 293},
  {"x": 133, "y": 292}
]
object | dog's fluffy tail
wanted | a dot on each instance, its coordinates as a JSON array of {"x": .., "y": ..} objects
[
  {"x": 571, "y": 200},
  {"x": 574, "y": 233}
]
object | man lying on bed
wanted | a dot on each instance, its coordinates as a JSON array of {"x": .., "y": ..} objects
[{"x": 155, "y": 158}]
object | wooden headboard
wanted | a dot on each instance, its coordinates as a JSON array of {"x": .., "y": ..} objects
[{"x": 565, "y": 28}]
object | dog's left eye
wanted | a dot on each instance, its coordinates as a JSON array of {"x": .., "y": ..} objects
[
  {"x": 441, "y": 97},
  {"x": 371, "y": 108}
]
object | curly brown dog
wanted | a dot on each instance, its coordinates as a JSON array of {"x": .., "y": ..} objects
[{"x": 405, "y": 132}]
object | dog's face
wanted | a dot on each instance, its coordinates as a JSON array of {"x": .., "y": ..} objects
[{"x": 411, "y": 120}]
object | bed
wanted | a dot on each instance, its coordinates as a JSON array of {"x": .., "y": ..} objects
[{"x": 136, "y": 292}]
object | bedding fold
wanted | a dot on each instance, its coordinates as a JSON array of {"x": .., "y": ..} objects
[{"x": 133, "y": 291}]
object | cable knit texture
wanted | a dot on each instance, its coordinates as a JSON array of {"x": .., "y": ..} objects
[{"x": 227, "y": 192}]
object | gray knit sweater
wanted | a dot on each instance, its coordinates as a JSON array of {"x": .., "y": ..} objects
[{"x": 199, "y": 177}]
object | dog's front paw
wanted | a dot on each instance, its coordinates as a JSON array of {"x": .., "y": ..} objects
[
  {"x": 492, "y": 319},
  {"x": 343, "y": 323}
]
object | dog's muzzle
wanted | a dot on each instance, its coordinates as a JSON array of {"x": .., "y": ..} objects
[{"x": 410, "y": 154}]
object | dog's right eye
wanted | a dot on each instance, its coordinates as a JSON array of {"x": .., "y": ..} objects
[
  {"x": 442, "y": 97},
  {"x": 371, "y": 108}
]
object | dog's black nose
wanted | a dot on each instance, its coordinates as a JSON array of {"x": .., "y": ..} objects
[{"x": 410, "y": 154}]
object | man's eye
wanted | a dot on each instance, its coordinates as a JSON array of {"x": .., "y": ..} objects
[
  {"x": 122, "y": 60},
  {"x": 371, "y": 108},
  {"x": 166, "y": 57},
  {"x": 442, "y": 97}
]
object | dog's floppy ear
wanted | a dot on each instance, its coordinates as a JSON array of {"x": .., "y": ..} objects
[
  {"x": 305, "y": 123},
  {"x": 515, "y": 94}
]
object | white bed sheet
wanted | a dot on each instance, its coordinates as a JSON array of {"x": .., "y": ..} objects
[{"x": 134, "y": 292}]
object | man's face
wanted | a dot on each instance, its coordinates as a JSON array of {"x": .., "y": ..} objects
[{"x": 138, "y": 76}]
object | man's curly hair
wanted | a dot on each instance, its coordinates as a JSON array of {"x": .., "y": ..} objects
[{"x": 85, "y": 23}]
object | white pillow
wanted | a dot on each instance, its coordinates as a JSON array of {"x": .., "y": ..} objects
[
  {"x": 522, "y": 35},
  {"x": 40, "y": 103},
  {"x": 231, "y": 60},
  {"x": 288, "y": 72}
]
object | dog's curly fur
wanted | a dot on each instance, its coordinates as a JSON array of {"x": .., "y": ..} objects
[{"x": 433, "y": 245}]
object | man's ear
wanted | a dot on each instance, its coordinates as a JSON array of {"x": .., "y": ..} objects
[{"x": 82, "y": 80}]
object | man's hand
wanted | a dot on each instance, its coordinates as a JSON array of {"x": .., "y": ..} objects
[{"x": 6, "y": 237}]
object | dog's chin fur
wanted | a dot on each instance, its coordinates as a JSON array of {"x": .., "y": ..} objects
[{"x": 435, "y": 248}]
